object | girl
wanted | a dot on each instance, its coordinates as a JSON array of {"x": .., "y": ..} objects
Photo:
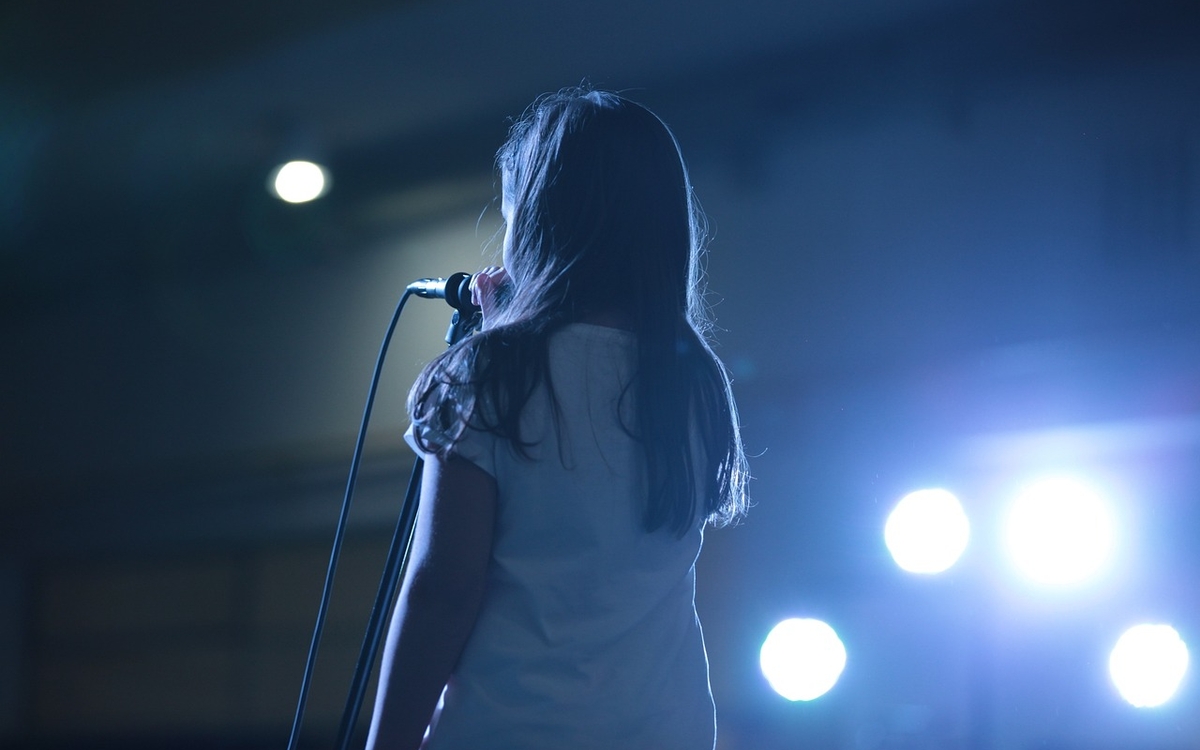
[{"x": 575, "y": 448}]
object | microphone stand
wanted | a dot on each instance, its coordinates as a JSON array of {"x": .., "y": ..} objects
[{"x": 463, "y": 322}]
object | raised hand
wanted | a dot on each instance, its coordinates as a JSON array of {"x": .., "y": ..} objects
[{"x": 484, "y": 290}]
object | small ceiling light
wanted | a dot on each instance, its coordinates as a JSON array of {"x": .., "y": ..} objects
[
  {"x": 802, "y": 659},
  {"x": 299, "y": 181},
  {"x": 927, "y": 531},
  {"x": 1147, "y": 664},
  {"x": 1060, "y": 532}
]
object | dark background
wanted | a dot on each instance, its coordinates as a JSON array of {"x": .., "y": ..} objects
[{"x": 954, "y": 244}]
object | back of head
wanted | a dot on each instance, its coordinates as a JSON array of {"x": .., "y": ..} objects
[
  {"x": 600, "y": 212},
  {"x": 602, "y": 223}
]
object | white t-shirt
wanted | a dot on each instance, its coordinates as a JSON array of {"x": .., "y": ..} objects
[{"x": 588, "y": 635}]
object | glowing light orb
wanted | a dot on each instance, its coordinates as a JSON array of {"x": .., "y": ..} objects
[
  {"x": 802, "y": 659},
  {"x": 1147, "y": 664},
  {"x": 1060, "y": 532},
  {"x": 299, "y": 182},
  {"x": 927, "y": 531}
]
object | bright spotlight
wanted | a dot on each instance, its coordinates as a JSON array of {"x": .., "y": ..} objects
[
  {"x": 802, "y": 659},
  {"x": 299, "y": 182},
  {"x": 1060, "y": 532},
  {"x": 1147, "y": 664},
  {"x": 927, "y": 531}
]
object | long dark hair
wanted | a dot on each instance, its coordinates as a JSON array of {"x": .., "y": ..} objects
[{"x": 602, "y": 219}]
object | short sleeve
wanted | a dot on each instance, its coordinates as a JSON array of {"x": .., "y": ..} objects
[{"x": 477, "y": 446}]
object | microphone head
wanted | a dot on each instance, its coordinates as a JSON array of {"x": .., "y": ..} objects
[{"x": 458, "y": 292}]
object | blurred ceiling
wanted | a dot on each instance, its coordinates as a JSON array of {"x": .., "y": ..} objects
[
  {"x": 135, "y": 136},
  {"x": 64, "y": 53}
]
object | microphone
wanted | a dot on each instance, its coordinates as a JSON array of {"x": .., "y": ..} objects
[{"x": 455, "y": 289}]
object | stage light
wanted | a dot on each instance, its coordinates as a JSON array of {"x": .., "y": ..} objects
[
  {"x": 1060, "y": 531},
  {"x": 1147, "y": 664},
  {"x": 299, "y": 181},
  {"x": 927, "y": 531},
  {"x": 802, "y": 659}
]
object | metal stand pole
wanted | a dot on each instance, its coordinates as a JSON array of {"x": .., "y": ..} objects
[{"x": 389, "y": 584}]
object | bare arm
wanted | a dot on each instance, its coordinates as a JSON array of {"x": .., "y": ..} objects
[{"x": 438, "y": 602}]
